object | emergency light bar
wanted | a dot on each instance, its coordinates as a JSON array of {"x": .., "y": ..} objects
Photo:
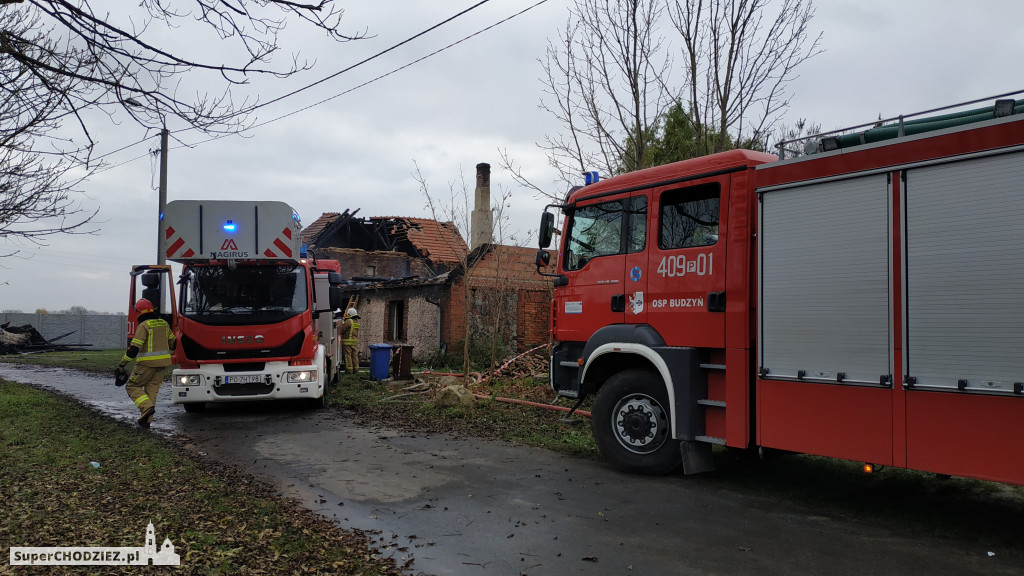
[{"x": 230, "y": 230}]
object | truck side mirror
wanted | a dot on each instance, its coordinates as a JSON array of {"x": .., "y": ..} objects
[
  {"x": 337, "y": 298},
  {"x": 543, "y": 258},
  {"x": 547, "y": 228}
]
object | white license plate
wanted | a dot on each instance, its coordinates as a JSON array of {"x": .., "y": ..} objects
[{"x": 253, "y": 379}]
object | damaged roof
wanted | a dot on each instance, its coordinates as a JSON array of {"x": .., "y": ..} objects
[{"x": 438, "y": 242}]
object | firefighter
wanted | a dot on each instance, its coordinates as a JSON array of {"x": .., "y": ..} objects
[
  {"x": 151, "y": 348},
  {"x": 349, "y": 339}
]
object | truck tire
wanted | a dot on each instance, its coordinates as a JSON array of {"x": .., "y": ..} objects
[
  {"x": 192, "y": 407},
  {"x": 631, "y": 423}
]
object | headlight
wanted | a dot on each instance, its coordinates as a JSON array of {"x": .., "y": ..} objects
[
  {"x": 188, "y": 380},
  {"x": 304, "y": 376}
]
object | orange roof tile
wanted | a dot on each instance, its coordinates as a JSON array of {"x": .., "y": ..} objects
[
  {"x": 437, "y": 241},
  {"x": 318, "y": 225}
]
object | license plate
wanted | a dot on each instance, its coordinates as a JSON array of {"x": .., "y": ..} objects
[{"x": 253, "y": 379}]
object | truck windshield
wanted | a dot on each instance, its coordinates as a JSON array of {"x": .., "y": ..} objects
[
  {"x": 594, "y": 230},
  {"x": 243, "y": 295}
]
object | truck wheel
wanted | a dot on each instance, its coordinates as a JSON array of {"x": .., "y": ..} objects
[
  {"x": 193, "y": 407},
  {"x": 631, "y": 423}
]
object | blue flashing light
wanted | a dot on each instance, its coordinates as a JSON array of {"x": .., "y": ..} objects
[
  {"x": 591, "y": 177},
  {"x": 229, "y": 226},
  {"x": 303, "y": 252}
]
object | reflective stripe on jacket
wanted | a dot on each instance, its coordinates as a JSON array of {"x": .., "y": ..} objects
[
  {"x": 350, "y": 332},
  {"x": 155, "y": 341}
]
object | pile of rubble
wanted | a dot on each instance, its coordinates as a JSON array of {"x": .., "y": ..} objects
[
  {"x": 19, "y": 339},
  {"x": 533, "y": 363}
]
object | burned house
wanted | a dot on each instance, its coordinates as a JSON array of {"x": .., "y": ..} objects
[{"x": 418, "y": 283}]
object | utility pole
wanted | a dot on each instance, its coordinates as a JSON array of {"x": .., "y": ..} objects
[{"x": 160, "y": 256}]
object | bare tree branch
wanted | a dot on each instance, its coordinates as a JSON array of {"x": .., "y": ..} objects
[
  {"x": 605, "y": 82},
  {"x": 741, "y": 56},
  {"x": 60, "y": 59}
]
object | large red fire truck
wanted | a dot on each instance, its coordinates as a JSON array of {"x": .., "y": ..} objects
[
  {"x": 863, "y": 301},
  {"x": 254, "y": 316}
]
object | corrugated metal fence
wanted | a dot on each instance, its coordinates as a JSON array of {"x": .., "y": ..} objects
[{"x": 98, "y": 331}]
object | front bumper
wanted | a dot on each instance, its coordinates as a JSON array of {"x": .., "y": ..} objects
[{"x": 277, "y": 380}]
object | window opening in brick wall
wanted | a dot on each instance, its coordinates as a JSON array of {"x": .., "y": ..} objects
[{"x": 396, "y": 321}]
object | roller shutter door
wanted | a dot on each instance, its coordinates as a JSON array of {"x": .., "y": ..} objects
[
  {"x": 965, "y": 274},
  {"x": 824, "y": 294}
]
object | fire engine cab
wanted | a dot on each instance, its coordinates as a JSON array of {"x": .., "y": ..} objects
[
  {"x": 861, "y": 301},
  {"x": 253, "y": 316}
]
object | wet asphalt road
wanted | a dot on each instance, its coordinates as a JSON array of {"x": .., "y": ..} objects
[{"x": 468, "y": 506}]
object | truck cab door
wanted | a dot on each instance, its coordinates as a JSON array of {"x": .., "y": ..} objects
[
  {"x": 685, "y": 299},
  {"x": 594, "y": 262},
  {"x": 154, "y": 283}
]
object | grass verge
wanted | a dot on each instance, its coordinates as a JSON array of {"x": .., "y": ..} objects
[{"x": 220, "y": 521}]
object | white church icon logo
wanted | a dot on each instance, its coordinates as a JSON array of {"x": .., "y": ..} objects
[{"x": 165, "y": 557}]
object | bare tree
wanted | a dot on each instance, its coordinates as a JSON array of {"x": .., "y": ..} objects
[
  {"x": 740, "y": 56},
  {"x": 505, "y": 299},
  {"x": 605, "y": 82},
  {"x": 60, "y": 59},
  {"x": 457, "y": 209},
  {"x": 491, "y": 314},
  {"x": 37, "y": 180}
]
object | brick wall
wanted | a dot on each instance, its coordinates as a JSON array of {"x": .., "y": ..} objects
[
  {"x": 504, "y": 281},
  {"x": 98, "y": 331},
  {"x": 422, "y": 319},
  {"x": 511, "y": 272},
  {"x": 355, "y": 262}
]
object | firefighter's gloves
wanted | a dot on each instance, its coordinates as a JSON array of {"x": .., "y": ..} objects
[{"x": 120, "y": 376}]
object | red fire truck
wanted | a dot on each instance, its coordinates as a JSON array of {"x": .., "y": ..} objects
[
  {"x": 254, "y": 317},
  {"x": 862, "y": 301}
]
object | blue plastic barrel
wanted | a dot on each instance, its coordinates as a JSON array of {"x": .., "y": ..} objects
[{"x": 380, "y": 361}]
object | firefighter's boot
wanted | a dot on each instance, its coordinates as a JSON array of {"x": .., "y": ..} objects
[{"x": 147, "y": 417}]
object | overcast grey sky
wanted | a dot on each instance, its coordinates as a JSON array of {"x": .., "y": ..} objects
[{"x": 456, "y": 109}]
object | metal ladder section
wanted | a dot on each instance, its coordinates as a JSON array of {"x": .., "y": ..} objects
[{"x": 714, "y": 404}]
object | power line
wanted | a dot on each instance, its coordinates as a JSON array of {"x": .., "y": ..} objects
[
  {"x": 336, "y": 74},
  {"x": 400, "y": 68},
  {"x": 364, "y": 61}
]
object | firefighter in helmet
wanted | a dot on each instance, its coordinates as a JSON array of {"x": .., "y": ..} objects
[
  {"x": 151, "y": 348},
  {"x": 349, "y": 339}
]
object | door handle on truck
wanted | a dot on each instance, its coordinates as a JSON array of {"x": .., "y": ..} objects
[
  {"x": 716, "y": 301},
  {"x": 619, "y": 303}
]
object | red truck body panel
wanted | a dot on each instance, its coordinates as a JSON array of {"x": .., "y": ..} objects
[{"x": 773, "y": 302}]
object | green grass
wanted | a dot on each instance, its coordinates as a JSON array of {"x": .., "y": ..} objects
[
  {"x": 218, "y": 520},
  {"x": 375, "y": 402},
  {"x": 89, "y": 361}
]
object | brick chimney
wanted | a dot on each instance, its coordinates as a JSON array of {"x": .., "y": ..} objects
[{"x": 481, "y": 221}]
